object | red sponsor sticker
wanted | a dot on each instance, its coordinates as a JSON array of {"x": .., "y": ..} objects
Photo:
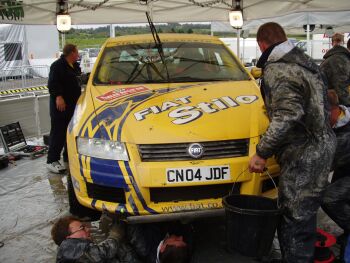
[{"x": 119, "y": 93}]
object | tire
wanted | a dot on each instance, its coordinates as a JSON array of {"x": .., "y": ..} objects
[{"x": 75, "y": 208}]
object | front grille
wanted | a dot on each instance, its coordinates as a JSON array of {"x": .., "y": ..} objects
[
  {"x": 179, "y": 151},
  {"x": 105, "y": 193},
  {"x": 186, "y": 193}
]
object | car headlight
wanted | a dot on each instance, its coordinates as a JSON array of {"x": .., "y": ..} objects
[{"x": 103, "y": 149}]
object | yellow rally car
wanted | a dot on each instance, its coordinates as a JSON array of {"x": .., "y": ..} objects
[{"x": 157, "y": 137}]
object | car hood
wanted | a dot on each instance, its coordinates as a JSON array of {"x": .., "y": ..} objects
[{"x": 173, "y": 113}]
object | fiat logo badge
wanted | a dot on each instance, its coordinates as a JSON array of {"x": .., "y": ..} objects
[{"x": 195, "y": 150}]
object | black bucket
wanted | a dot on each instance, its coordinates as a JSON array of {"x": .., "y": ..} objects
[{"x": 251, "y": 223}]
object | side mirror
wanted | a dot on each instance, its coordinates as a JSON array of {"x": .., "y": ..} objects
[
  {"x": 256, "y": 72},
  {"x": 85, "y": 78}
]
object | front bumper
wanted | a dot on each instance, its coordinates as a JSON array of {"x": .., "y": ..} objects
[
  {"x": 181, "y": 216},
  {"x": 137, "y": 189}
]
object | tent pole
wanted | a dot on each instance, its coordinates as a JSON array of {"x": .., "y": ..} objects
[
  {"x": 238, "y": 42},
  {"x": 243, "y": 50},
  {"x": 63, "y": 40},
  {"x": 37, "y": 118},
  {"x": 308, "y": 39},
  {"x": 26, "y": 55},
  {"x": 111, "y": 31}
]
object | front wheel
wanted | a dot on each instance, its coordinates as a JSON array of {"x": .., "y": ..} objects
[{"x": 75, "y": 208}]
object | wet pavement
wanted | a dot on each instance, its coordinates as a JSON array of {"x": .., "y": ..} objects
[{"x": 31, "y": 198}]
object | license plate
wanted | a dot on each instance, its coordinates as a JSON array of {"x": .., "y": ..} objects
[{"x": 198, "y": 174}]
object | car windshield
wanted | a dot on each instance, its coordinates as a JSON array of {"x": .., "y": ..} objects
[{"x": 185, "y": 62}]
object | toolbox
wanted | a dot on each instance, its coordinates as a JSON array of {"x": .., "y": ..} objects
[{"x": 15, "y": 143}]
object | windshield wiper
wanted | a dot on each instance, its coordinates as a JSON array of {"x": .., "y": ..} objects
[
  {"x": 158, "y": 44},
  {"x": 133, "y": 76}
]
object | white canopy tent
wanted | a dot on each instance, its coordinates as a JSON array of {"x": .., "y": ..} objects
[
  {"x": 339, "y": 21},
  {"x": 293, "y": 23},
  {"x": 133, "y": 11},
  {"x": 292, "y": 14}
]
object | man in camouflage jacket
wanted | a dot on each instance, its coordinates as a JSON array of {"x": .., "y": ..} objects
[
  {"x": 299, "y": 135},
  {"x": 336, "y": 69},
  {"x": 75, "y": 244},
  {"x": 337, "y": 195}
]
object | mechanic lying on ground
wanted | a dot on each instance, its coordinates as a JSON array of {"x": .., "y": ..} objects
[
  {"x": 337, "y": 195},
  {"x": 168, "y": 242},
  {"x": 75, "y": 244},
  {"x": 142, "y": 241},
  {"x": 162, "y": 242}
]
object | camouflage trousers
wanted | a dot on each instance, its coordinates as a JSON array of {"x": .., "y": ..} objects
[{"x": 304, "y": 174}]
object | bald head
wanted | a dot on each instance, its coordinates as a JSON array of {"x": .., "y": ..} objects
[{"x": 270, "y": 33}]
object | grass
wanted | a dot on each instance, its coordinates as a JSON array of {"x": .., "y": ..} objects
[{"x": 86, "y": 42}]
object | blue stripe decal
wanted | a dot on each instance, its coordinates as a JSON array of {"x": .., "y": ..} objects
[
  {"x": 107, "y": 173},
  {"x": 137, "y": 190},
  {"x": 133, "y": 205},
  {"x": 155, "y": 93},
  {"x": 109, "y": 114},
  {"x": 121, "y": 124},
  {"x": 93, "y": 203},
  {"x": 94, "y": 114},
  {"x": 112, "y": 130},
  {"x": 103, "y": 134},
  {"x": 86, "y": 134},
  {"x": 141, "y": 97},
  {"x": 81, "y": 167},
  {"x": 150, "y": 93},
  {"x": 86, "y": 164}
]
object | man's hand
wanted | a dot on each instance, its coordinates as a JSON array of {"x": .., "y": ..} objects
[
  {"x": 257, "y": 164},
  {"x": 60, "y": 103}
]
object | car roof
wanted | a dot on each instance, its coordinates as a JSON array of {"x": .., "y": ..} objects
[{"x": 164, "y": 38}]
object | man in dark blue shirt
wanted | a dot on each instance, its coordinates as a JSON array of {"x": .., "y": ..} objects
[{"x": 64, "y": 88}]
